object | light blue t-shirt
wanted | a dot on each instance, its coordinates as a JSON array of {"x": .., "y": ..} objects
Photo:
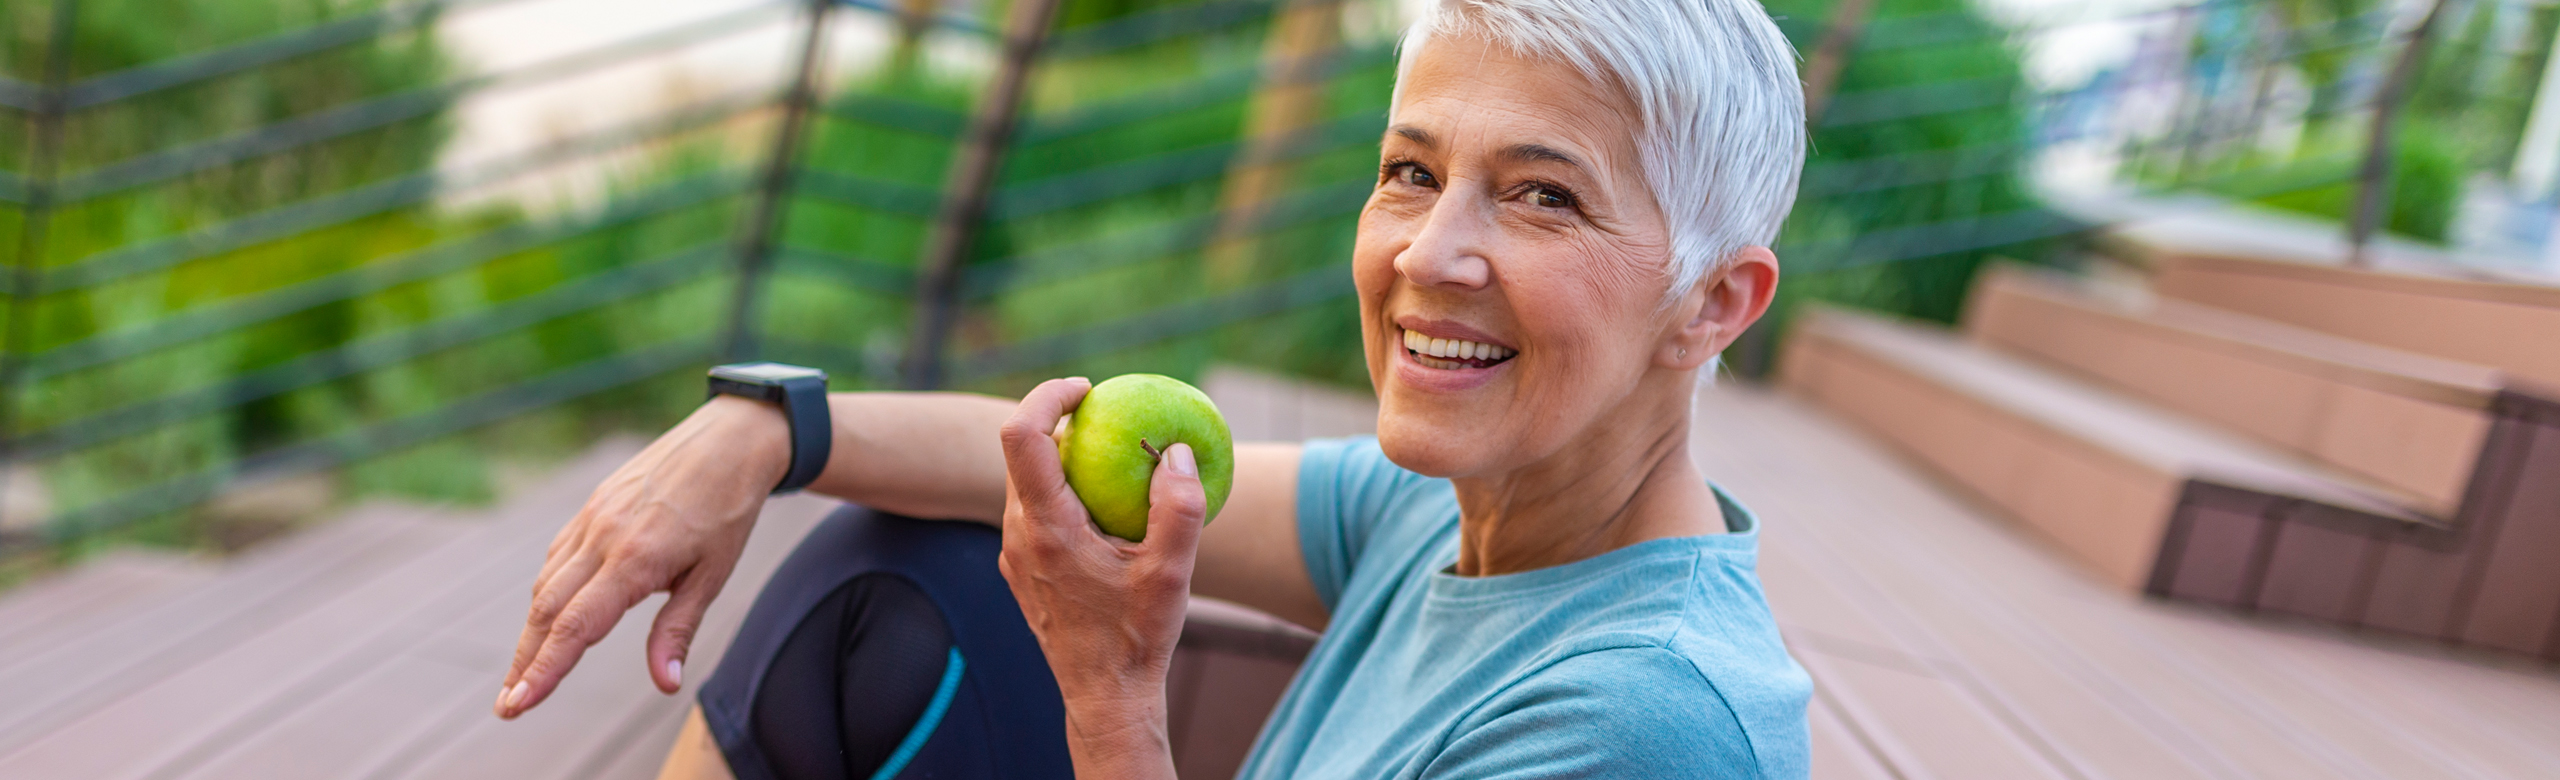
[{"x": 1655, "y": 660}]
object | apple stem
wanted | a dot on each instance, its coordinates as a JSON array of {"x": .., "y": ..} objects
[{"x": 1152, "y": 452}]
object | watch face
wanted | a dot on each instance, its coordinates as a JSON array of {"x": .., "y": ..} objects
[{"x": 764, "y": 373}]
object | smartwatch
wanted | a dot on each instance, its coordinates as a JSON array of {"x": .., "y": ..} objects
[{"x": 802, "y": 394}]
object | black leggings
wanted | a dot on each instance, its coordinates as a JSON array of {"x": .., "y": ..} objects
[{"x": 887, "y": 647}]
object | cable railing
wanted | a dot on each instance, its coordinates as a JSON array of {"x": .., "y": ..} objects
[{"x": 1109, "y": 229}]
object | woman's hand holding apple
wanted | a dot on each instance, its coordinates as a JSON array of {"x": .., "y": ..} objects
[{"x": 1107, "y": 612}]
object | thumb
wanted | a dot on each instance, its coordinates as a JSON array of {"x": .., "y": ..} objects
[{"x": 1175, "y": 502}]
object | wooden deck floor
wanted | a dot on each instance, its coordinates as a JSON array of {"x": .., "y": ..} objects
[{"x": 1945, "y": 645}]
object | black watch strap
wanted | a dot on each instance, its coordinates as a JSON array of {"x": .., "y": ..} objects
[
  {"x": 802, "y": 395},
  {"x": 804, "y": 405}
]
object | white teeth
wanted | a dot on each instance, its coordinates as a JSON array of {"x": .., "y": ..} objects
[{"x": 1455, "y": 349}]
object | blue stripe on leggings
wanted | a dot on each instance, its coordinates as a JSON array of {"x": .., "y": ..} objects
[{"x": 907, "y": 748}]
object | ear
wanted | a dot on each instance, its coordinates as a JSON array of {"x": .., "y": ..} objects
[{"x": 1719, "y": 308}]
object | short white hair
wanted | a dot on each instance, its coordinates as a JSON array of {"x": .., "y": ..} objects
[{"x": 1720, "y": 110}]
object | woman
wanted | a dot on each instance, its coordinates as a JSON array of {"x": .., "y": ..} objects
[{"x": 1523, "y": 575}]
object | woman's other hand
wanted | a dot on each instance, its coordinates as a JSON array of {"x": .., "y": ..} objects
[
  {"x": 1107, "y": 612},
  {"x": 673, "y": 519}
]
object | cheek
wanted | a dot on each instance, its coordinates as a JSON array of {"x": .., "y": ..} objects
[{"x": 1590, "y": 315}]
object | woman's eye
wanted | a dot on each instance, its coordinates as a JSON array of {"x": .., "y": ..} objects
[
  {"x": 1550, "y": 197},
  {"x": 1416, "y": 176}
]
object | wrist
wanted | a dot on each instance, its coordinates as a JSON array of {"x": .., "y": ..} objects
[
  {"x": 1118, "y": 735},
  {"x": 760, "y": 428}
]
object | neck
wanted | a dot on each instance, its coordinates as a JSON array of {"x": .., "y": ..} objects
[{"x": 1617, "y": 485}]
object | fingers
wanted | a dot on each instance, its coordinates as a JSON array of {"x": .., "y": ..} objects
[
  {"x": 1176, "y": 503},
  {"x": 589, "y": 616},
  {"x": 1031, "y": 462},
  {"x": 671, "y": 635},
  {"x": 551, "y": 596}
]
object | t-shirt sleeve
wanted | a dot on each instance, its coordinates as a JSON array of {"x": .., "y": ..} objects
[
  {"x": 1345, "y": 489},
  {"x": 1634, "y": 712}
]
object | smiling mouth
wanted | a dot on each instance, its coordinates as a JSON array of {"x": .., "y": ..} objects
[{"x": 1451, "y": 354}]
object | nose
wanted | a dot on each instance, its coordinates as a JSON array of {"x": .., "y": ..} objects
[{"x": 1450, "y": 251}]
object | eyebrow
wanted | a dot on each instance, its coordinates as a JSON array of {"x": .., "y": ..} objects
[
  {"x": 1416, "y": 135},
  {"x": 1542, "y": 153}
]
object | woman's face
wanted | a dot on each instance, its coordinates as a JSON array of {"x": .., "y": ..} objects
[{"x": 1510, "y": 263}]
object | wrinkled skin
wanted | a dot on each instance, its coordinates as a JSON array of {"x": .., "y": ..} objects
[{"x": 674, "y": 518}]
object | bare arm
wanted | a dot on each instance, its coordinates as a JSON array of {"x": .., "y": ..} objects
[
  {"x": 676, "y": 517},
  {"x": 1250, "y": 555},
  {"x": 931, "y": 455}
]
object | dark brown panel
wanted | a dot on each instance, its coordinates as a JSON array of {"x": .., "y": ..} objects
[
  {"x": 2316, "y": 570},
  {"x": 2412, "y": 592},
  {"x": 2517, "y": 595},
  {"x": 2216, "y": 542},
  {"x": 2427, "y": 576}
]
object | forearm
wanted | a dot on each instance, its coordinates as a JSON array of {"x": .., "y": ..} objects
[{"x": 929, "y": 455}]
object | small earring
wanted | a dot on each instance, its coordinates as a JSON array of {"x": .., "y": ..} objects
[{"x": 1684, "y": 354}]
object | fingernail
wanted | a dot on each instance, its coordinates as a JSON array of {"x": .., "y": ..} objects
[
  {"x": 515, "y": 695},
  {"x": 1180, "y": 456},
  {"x": 675, "y": 671}
]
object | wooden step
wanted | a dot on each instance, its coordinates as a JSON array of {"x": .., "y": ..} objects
[
  {"x": 2498, "y": 319},
  {"x": 2099, "y": 474},
  {"x": 97, "y": 590},
  {"x": 2409, "y": 421}
]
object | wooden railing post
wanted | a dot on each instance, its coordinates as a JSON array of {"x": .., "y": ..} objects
[
  {"x": 44, "y": 163},
  {"x": 964, "y": 195},
  {"x": 1305, "y": 35},
  {"x": 765, "y": 222},
  {"x": 2373, "y": 183},
  {"x": 1830, "y": 57}
]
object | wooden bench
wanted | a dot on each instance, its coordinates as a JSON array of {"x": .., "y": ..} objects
[
  {"x": 2100, "y": 474},
  {"x": 2411, "y": 422},
  {"x": 2499, "y": 319},
  {"x": 2170, "y": 506}
]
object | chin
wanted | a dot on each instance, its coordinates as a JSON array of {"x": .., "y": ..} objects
[{"x": 1413, "y": 439}]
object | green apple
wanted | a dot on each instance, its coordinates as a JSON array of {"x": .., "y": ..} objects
[{"x": 1116, "y": 436}]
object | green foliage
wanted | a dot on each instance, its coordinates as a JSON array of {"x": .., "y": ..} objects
[
  {"x": 2464, "y": 112},
  {"x": 2329, "y": 37},
  {"x": 107, "y": 40},
  {"x": 354, "y": 393},
  {"x": 2427, "y": 170},
  {"x": 1058, "y": 201},
  {"x": 1964, "y": 56}
]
